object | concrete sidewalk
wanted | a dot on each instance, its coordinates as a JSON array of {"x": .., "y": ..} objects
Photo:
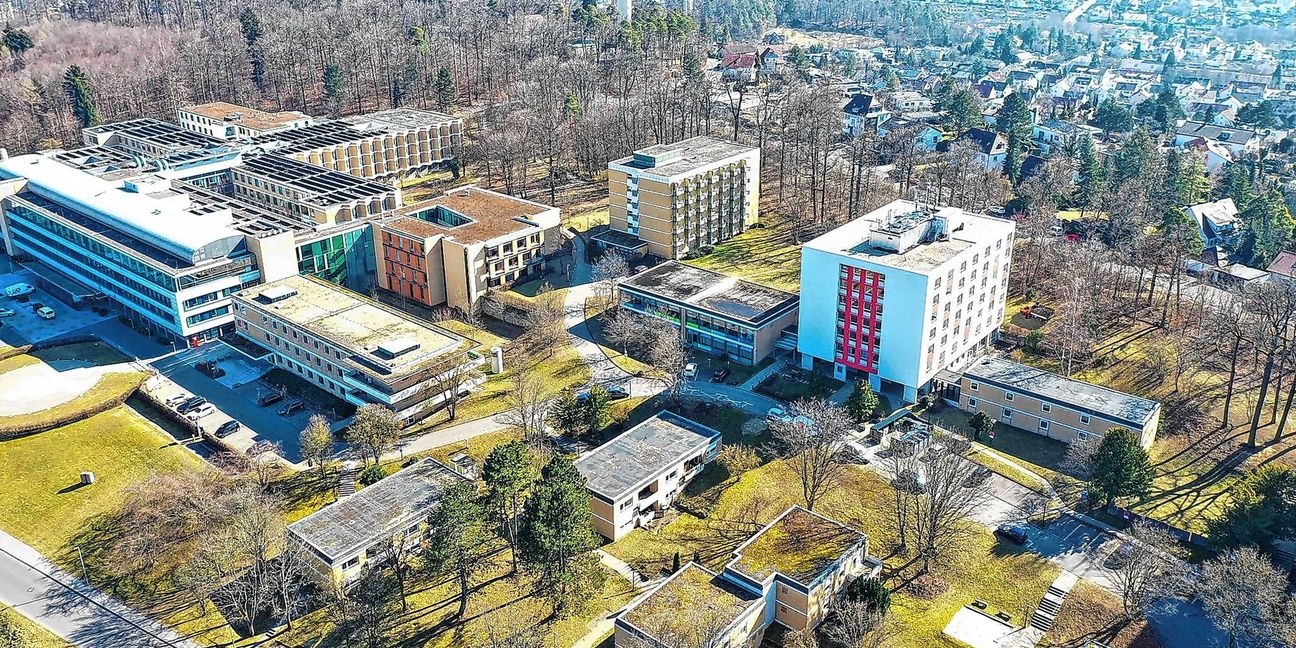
[{"x": 70, "y": 608}]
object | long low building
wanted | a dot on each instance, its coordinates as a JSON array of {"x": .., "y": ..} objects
[
  {"x": 716, "y": 313},
  {"x": 635, "y": 476},
  {"x": 355, "y": 348},
  {"x": 342, "y": 537},
  {"x": 1051, "y": 405},
  {"x": 788, "y": 573}
]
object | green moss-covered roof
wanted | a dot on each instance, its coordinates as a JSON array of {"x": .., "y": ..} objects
[
  {"x": 800, "y": 545},
  {"x": 693, "y": 602}
]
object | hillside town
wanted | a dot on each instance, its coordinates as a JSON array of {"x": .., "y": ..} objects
[{"x": 785, "y": 324}]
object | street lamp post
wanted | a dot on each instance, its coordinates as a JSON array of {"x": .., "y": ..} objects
[{"x": 85, "y": 574}]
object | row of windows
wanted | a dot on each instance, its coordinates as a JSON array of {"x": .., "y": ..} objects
[
  {"x": 206, "y": 315},
  {"x": 155, "y": 303},
  {"x": 95, "y": 247},
  {"x": 1010, "y": 397}
]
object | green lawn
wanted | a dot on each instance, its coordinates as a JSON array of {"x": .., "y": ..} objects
[
  {"x": 1006, "y": 577},
  {"x": 498, "y": 599},
  {"x": 588, "y": 220},
  {"x": 766, "y": 255},
  {"x": 32, "y": 634},
  {"x": 1036, "y": 453},
  {"x": 43, "y": 505},
  {"x": 45, "y": 508}
]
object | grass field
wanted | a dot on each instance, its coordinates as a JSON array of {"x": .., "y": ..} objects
[
  {"x": 766, "y": 255},
  {"x": 1005, "y": 577},
  {"x": 30, "y": 634},
  {"x": 44, "y": 507},
  {"x": 1091, "y": 614}
]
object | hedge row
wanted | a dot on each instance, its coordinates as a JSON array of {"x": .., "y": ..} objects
[{"x": 29, "y": 425}]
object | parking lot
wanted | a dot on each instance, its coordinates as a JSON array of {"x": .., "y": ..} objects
[
  {"x": 235, "y": 396},
  {"x": 24, "y": 327}
]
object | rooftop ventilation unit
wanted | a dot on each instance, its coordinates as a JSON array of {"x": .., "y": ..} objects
[
  {"x": 396, "y": 348},
  {"x": 277, "y": 294}
]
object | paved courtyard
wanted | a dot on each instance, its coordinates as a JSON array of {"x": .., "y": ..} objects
[
  {"x": 235, "y": 396},
  {"x": 24, "y": 327}
]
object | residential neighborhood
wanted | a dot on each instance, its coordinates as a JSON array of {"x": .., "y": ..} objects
[{"x": 946, "y": 324}]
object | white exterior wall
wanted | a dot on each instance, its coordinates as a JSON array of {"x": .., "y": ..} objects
[{"x": 913, "y": 321}]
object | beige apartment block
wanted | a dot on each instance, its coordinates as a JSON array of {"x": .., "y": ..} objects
[
  {"x": 1051, "y": 405},
  {"x": 340, "y": 539},
  {"x": 227, "y": 121},
  {"x": 677, "y": 198},
  {"x": 310, "y": 193},
  {"x": 636, "y": 476},
  {"x": 789, "y": 573},
  {"x": 455, "y": 248},
  {"x": 353, "y": 347},
  {"x": 387, "y": 145}
]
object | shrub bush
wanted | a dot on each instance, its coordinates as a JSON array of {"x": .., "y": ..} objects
[{"x": 372, "y": 474}]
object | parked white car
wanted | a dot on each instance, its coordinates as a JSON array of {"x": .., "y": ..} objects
[
  {"x": 177, "y": 399},
  {"x": 690, "y": 371},
  {"x": 200, "y": 411},
  {"x": 45, "y": 312},
  {"x": 6, "y": 312},
  {"x": 19, "y": 289}
]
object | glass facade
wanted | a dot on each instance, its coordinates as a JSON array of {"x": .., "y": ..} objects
[
  {"x": 701, "y": 331},
  {"x": 346, "y": 259},
  {"x": 139, "y": 287}
]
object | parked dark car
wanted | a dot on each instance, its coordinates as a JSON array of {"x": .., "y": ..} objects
[
  {"x": 227, "y": 428},
  {"x": 291, "y": 408},
  {"x": 1015, "y": 532},
  {"x": 617, "y": 392},
  {"x": 270, "y": 398},
  {"x": 720, "y": 374},
  {"x": 210, "y": 368},
  {"x": 191, "y": 404}
]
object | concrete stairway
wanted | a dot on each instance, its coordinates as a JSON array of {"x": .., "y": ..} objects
[
  {"x": 346, "y": 485},
  {"x": 1051, "y": 605}
]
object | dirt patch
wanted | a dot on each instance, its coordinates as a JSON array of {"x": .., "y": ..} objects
[{"x": 926, "y": 587}]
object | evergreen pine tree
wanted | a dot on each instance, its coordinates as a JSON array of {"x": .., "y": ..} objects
[{"x": 77, "y": 85}]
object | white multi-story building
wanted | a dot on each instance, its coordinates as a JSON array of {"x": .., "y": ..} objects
[{"x": 903, "y": 293}]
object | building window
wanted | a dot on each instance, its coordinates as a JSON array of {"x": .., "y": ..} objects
[
  {"x": 973, "y": 386},
  {"x": 1084, "y": 418},
  {"x": 972, "y": 402},
  {"x": 1008, "y": 396},
  {"x": 1007, "y": 414},
  {"x": 1044, "y": 426},
  {"x": 1045, "y": 407},
  {"x": 351, "y": 564}
]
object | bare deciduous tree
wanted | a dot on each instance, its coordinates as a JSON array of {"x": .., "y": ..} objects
[
  {"x": 527, "y": 406},
  {"x": 669, "y": 358},
  {"x": 607, "y": 272},
  {"x": 1145, "y": 571},
  {"x": 934, "y": 498},
  {"x": 854, "y": 624},
  {"x": 1243, "y": 593},
  {"x": 453, "y": 383},
  {"x": 815, "y": 439},
  {"x": 374, "y": 430}
]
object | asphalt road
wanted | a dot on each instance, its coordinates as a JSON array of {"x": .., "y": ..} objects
[{"x": 71, "y": 609}]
